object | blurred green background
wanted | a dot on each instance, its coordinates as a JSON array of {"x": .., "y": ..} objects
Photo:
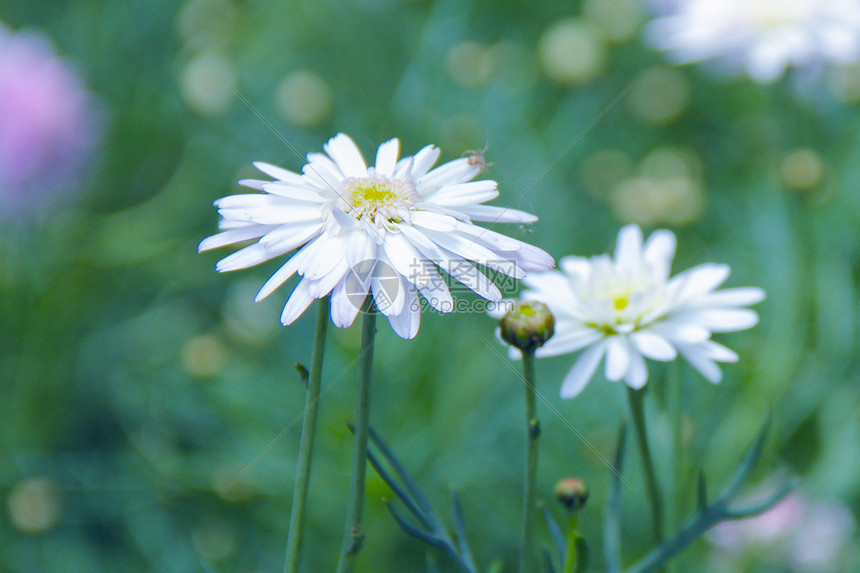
[{"x": 137, "y": 383}]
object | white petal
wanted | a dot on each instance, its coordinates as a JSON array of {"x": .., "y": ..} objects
[
  {"x": 422, "y": 242},
  {"x": 403, "y": 168},
  {"x": 434, "y": 221},
  {"x": 275, "y": 171},
  {"x": 386, "y": 157},
  {"x": 553, "y": 283},
  {"x": 707, "y": 367},
  {"x": 628, "y": 251},
  {"x": 617, "y": 357},
  {"x": 360, "y": 251},
  {"x": 247, "y": 201},
  {"x": 527, "y": 257},
  {"x": 457, "y": 171},
  {"x": 717, "y": 352},
  {"x": 330, "y": 252},
  {"x": 582, "y": 371},
  {"x": 471, "y": 250},
  {"x": 567, "y": 342},
  {"x": 345, "y": 153},
  {"x": 281, "y": 276},
  {"x": 659, "y": 252},
  {"x": 697, "y": 281},
  {"x": 725, "y": 320},
  {"x": 233, "y": 236},
  {"x": 496, "y": 214},
  {"x": 653, "y": 346},
  {"x": 322, "y": 286},
  {"x": 435, "y": 291},
  {"x": 298, "y": 303},
  {"x": 345, "y": 305},
  {"x": 288, "y": 237},
  {"x": 276, "y": 212},
  {"x": 637, "y": 373},
  {"x": 405, "y": 259},
  {"x": 388, "y": 288},
  {"x": 579, "y": 267},
  {"x": 466, "y": 273},
  {"x": 323, "y": 172},
  {"x": 424, "y": 160},
  {"x": 531, "y": 258},
  {"x": 734, "y": 297},
  {"x": 225, "y": 224},
  {"x": 464, "y": 193},
  {"x": 406, "y": 323},
  {"x": 244, "y": 258},
  {"x": 295, "y": 192},
  {"x": 488, "y": 237},
  {"x": 680, "y": 332},
  {"x": 253, "y": 183},
  {"x": 345, "y": 221}
]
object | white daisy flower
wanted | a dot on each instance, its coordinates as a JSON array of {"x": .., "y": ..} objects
[
  {"x": 626, "y": 309},
  {"x": 383, "y": 229},
  {"x": 762, "y": 37}
]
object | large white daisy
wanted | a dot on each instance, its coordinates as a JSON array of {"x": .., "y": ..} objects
[
  {"x": 762, "y": 37},
  {"x": 385, "y": 229},
  {"x": 626, "y": 309}
]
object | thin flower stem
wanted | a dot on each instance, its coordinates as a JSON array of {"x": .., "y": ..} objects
[
  {"x": 532, "y": 435},
  {"x": 303, "y": 470},
  {"x": 352, "y": 535},
  {"x": 572, "y": 554},
  {"x": 674, "y": 385},
  {"x": 637, "y": 411}
]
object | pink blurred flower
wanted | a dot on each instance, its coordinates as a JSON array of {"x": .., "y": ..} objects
[
  {"x": 48, "y": 124},
  {"x": 806, "y": 535}
]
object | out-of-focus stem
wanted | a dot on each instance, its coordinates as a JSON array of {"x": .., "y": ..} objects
[
  {"x": 532, "y": 435},
  {"x": 637, "y": 412},
  {"x": 303, "y": 469},
  {"x": 352, "y": 535}
]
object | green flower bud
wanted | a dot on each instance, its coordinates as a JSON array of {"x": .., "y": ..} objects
[
  {"x": 528, "y": 325},
  {"x": 572, "y": 493}
]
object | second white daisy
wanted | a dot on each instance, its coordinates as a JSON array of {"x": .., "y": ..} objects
[{"x": 626, "y": 309}]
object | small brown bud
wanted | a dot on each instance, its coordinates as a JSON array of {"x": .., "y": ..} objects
[
  {"x": 528, "y": 325},
  {"x": 572, "y": 493}
]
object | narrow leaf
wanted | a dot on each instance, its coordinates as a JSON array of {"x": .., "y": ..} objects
[
  {"x": 398, "y": 491},
  {"x": 557, "y": 535},
  {"x": 763, "y": 505},
  {"x": 411, "y": 529},
  {"x": 460, "y": 529},
  {"x": 417, "y": 494},
  {"x": 702, "y": 491},
  {"x": 749, "y": 461}
]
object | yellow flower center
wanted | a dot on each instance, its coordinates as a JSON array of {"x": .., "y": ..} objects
[
  {"x": 375, "y": 193},
  {"x": 378, "y": 199}
]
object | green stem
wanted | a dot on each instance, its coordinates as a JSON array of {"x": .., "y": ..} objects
[
  {"x": 303, "y": 470},
  {"x": 352, "y": 535},
  {"x": 674, "y": 386},
  {"x": 532, "y": 435},
  {"x": 572, "y": 554},
  {"x": 637, "y": 411}
]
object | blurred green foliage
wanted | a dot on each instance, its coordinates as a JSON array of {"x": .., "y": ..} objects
[{"x": 137, "y": 383}]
